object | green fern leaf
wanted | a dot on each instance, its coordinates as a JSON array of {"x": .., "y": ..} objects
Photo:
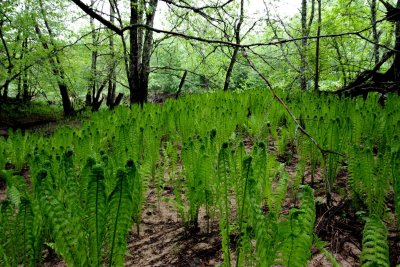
[
  {"x": 96, "y": 212},
  {"x": 120, "y": 211},
  {"x": 375, "y": 250}
]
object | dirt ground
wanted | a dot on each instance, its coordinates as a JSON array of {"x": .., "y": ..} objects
[{"x": 164, "y": 241}]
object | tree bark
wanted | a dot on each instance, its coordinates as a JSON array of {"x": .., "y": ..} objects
[
  {"x": 395, "y": 69},
  {"x": 9, "y": 66},
  {"x": 112, "y": 75},
  {"x": 236, "y": 49},
  {"x": 305, "y": 30},
  {"x": 304, "y": 44},
  {"x": 317, "y": 47},
  {"x": 181, "y": 84},
  {"x": 375, "y": 31},
  {"x": 146, "y": 53},
  {"x": 25, "y": 85}
]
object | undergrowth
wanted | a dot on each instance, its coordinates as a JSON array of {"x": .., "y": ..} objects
[{"x": 86, "y": 187}]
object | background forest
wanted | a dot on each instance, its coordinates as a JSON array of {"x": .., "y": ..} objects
[
  {"x": 53, "y": 51},
  {"x": 276, "y": 142}
]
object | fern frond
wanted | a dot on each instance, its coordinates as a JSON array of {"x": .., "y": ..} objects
[
  {"x": 375, "y": 249},
  {"x": 395, "y": 162},
  {"x": 297, "y": 233},
  {"x": 224, "y": 173},
  {"x": 279, "y": 193},
  {"x": 67, "y": 235},
  {"x": 96, "y": 213},
  {"x": 119, "y": 211}
]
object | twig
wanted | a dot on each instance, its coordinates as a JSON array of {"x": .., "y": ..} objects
[{"x": 324, "y": 151}]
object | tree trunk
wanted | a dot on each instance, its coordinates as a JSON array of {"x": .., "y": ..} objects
[
  {"x": 181, "y": 84},
  {"x": 137, "y": 63},
  {"x": 304, "y": 44},
  {"x": 317, "y": 48},
  {"x": 305, "y": 30},
  {"x": 91, "y": 91},
  {"x": 396, "y": 63},
  {"x": 58, "y": 73},
  {"x": 134, "y": 80},
  {"x": 375, "y": 31},
  {"x": 146, "y": 53},
  {"x": 25, "y": 85},
  {"x": 9, "y": 66},
  {"x": 55, "y": 63},
  {"x": 112, "y": 75},
  {"x": 236, "y": 49},
  {"x": 140, "y": 54}
]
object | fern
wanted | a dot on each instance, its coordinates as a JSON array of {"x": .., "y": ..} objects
[
  {"x": 375, "y": 250},
  {"x": 247, "y": 175},
  {"x": 297, "y": 233},
  {"x": 67, "y": 235},
  {"x": 279, "y": 192},
  {"x": 395, "y": 166},
  {"x": 224, "y": 208},
  {"x": 96, "y": 213},
  {"x": 120, "y": 211}
]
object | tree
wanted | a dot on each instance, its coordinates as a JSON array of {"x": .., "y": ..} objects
[
  {"x": 55, "y": 62},
  {"x": 372, "y": 80},
  {"x": 137, "y": 60},
  {"x": 305, "y": 29},
  {"x": 317, "y": 46},
  {"x": 236, "y": 48}
]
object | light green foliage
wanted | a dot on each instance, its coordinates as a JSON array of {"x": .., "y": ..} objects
[
  {"x": 375, "y": 247},
  {"x": 297, "y": 232},
  {"x": 223, "y": 179},
  {"x": 395, "y": 162},
  {"x": 120, "y": 211},
  {"x": 87, "y": 186},
  {"x": 96, "y": 213}
]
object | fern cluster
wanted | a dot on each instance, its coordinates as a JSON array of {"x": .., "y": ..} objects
[{"x": 226, "y": 153}]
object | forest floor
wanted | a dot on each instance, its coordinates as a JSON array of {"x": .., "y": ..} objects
[{"x": 163, "y": 240}]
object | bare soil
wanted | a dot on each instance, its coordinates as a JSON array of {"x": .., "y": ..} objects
[{"x": 164, "y": 241}]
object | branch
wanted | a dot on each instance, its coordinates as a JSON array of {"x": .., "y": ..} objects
[
  {"x": 85, "y": 8},
  {"x": 283, "y": 104},
  {"x": 226, "y": 43},
  {"x": 120, "y": 31}
]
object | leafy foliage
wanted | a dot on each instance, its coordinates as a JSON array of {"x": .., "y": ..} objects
[
  {"x": 375, "y": 247},
  {"x": 87, "y": 186}
]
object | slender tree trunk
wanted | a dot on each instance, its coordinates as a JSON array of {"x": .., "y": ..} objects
[
  {"x": 9, "y": 66},
  {"x": 317, "y": 49},
  {"x": 124, "y": 47},
  {"x": 112, "y": 75},
  {"x": 181, "y": 84},
  {"x": 396, "y": 62},
  {"x": 236, "y": 49},
  {"x": 375, "y": 31},
  {"x": 25, "y": 85},
  {"x": 134, "y": 80},
  {"x": 55, "y": 63},
  {"x": 304, "y": 44},
  {"x": 146, "y": 53},
  {"x": 91, "y": 91},
  {"x": 305, "y": 30}
]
